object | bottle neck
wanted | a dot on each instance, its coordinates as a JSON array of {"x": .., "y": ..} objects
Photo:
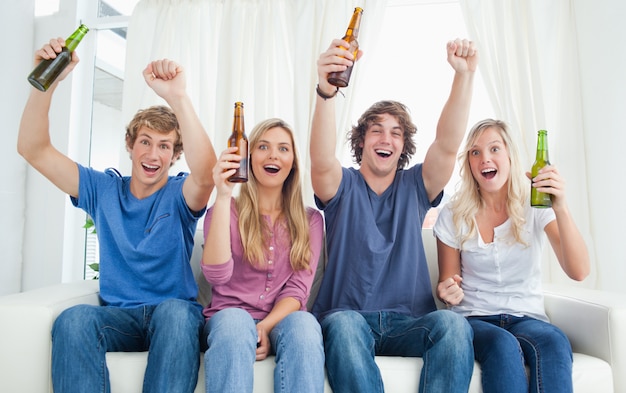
[
  {"x": 353, "y": 28},
  {"x": 238, "y": 127},
  {"x": 542, "y": 147},
  {"x": 73, "y": 40}
]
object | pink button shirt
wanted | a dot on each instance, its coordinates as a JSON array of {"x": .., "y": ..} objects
[{"x": 238, "y": 284}]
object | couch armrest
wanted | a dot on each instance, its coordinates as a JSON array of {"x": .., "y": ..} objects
[
  {"x": 594, "y": 321},
  {"x": 25, "y": 322}
]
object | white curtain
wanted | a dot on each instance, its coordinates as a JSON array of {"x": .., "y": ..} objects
[
  {"x": 529, "y": 61},
  {"x": 260, "y": 52}
]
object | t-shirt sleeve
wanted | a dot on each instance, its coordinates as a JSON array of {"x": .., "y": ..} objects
[{"x": 444, "y": 228}]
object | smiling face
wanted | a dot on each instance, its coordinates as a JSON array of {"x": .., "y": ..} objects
[
  {"x": 272, "y": 157},
  {"x": 382, "y": 146},
  {"x": 489, "y": 161},
  {"x": 152, "y": 155}
]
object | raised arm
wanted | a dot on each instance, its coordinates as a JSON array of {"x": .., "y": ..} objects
[
  {"x": 325, "y": 167},
  {"x": 441, "y": 156},
  {"x": 565, "y": 238},
  {"x": 33, "y": 141},
  {"x": 168, "y": 80},
  {"x": 217, "y": 246}
]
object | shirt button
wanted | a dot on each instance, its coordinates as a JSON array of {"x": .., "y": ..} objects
[
  {"x": 267, "y": 289},
  {"x": 269, "y": 275},
  {"x": 271, "y": 248},
  {"x": 269, "y": 262},
  {"x": 262, "y": 297}
]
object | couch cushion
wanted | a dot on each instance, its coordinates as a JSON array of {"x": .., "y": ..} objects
[{"x": 400, "y": 374}]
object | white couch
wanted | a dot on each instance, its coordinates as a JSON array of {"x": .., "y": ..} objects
[{"x": 593, "y": 321}]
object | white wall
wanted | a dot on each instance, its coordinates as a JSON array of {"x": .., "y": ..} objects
[{"x": 17, "y": 26}]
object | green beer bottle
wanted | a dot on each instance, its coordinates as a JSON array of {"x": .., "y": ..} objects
[
  {"x": 540, "y": 199},
  {"x": 49, "y": 70}
]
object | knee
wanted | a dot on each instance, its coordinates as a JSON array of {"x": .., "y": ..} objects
[
  {"x": 347, "y": 335},
  {"x": 176, "y": 316},
  {"x": 454, "y": 324},
  {"x": 74, "y": 320},
  {"x": 452, "y": 327},
  {"x": 342, "y": 323},
  {"x": 302, "y": 326},
  {"x": 552, "y": 340},
  {"x": 231, "y": 325}
]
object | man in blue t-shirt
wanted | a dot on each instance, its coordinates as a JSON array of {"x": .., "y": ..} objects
[
  {"x": 145, "y": 225},
  {"x": 375, "y": 297}
]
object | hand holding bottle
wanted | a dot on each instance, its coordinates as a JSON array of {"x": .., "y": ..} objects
[
  {"x": 50, "y": 51},
  {"x": 342, "y": 78},
  {"x": 335, "y": 59},
  {"x": 226, "y": 166},
  {"x": 548, "y": 180}
]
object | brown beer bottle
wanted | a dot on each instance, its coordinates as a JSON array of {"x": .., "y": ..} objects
[
  {"x": 341, "y": 79},
  {"x": 239, "y": 139},
  {"x": 47, "y": 71},
  {"x": 540, "y": 199}
]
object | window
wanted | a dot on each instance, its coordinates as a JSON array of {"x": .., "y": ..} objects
[
  {"x": 415, "y": 71},
  {"x": 107, "y": 124}
]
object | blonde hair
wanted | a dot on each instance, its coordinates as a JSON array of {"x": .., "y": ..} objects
[
  {"x": 466, "y": 201},
  {"x": 253, "y": 228}
]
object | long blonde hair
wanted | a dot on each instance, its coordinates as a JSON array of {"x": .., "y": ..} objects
[
  {"x": 466, "y": 201},
  {"x": 253, "y": 228}
]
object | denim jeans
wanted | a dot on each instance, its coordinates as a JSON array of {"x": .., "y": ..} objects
[
  {"x": 170, "y": 331},
  {"x": 296, "y": 341},
  {"x": 502, "y": 343},
  {"x": 442, "y": 338}
]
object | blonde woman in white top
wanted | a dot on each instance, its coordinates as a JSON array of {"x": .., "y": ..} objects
[{"x": 489, "y": 242}]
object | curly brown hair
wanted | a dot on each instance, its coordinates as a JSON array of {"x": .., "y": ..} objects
[{"x": 356, "y": 135}]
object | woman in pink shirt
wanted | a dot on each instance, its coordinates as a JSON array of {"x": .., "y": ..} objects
[{"x": 260, "y": 256}]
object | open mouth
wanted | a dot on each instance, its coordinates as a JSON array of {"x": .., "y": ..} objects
[
  {"x": 150, "y": 168},
  {"x": 271, "y": 169},
  {"x": 383, "y": 153},
  {"x": 489, "y": 173}
]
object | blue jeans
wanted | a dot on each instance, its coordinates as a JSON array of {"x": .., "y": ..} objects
[
  {"x": 170, "y": 331},
  {"x": 442, "y": 338},
  {"x": 232, "y": 337},
  {"x": 503, "y": 343}
]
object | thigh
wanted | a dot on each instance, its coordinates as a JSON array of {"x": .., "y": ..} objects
[
  {"x": 491, "y": 340},
  {"x": 541, "y": 337},
  {"x": 176, "y": 316},
  {"x": 115, "y": 329},
  {"x": 404, "y": 335}
]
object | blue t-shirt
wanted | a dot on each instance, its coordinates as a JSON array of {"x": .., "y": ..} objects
[
  {"x": 376, "y": 259},
  {"x": 145, "y": 244}
]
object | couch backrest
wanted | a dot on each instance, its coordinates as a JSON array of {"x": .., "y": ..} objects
[{"x": 204, "y": 293}]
